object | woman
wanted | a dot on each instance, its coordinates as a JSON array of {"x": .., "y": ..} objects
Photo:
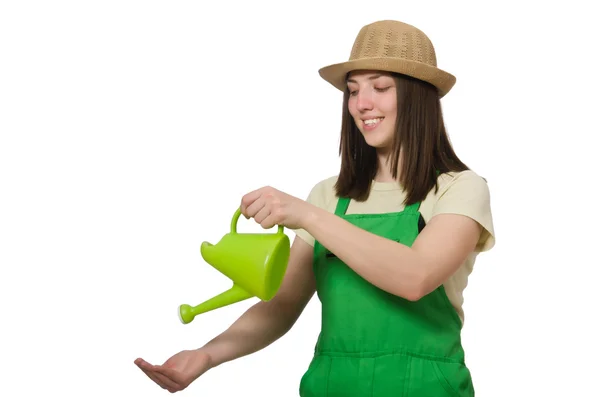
[{"x": 387, "y": 244}]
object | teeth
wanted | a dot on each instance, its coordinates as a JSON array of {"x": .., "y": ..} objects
[{"x": 373, "y": 121}]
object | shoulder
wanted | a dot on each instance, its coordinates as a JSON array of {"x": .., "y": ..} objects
[
  {"x": 466, "y": 182},
  {"x": 464, "y": 188},
  {"x": 322, "y": 193},
  {"x": 466, "y": 193},
  {"x": 326, "y": 185}
]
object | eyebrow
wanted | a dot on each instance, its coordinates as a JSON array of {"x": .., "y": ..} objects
[{"x": 370, "y": 78}]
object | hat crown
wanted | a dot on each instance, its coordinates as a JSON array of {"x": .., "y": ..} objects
[{"x": 393, "y": 39}]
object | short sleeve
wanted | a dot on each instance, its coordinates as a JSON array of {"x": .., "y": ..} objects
[
  {"x": 468, "y": 194},
  {"x": 318, "y": 198}
]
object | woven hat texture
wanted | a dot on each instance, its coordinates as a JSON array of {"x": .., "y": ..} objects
[{"x": 391, "y": 46}]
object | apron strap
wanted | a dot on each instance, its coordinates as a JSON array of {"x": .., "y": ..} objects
[
  {"x": 343, "y": 202},
  {"x": 342, "y": 206},
  {"x": 413, "y": 208}
]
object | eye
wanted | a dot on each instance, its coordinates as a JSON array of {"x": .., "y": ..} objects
[{"x": 384, "y": 89}]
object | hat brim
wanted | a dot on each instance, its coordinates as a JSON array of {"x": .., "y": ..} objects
[{"x": 336, "y": 74}]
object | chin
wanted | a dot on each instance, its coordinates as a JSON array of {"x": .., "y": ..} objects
[
  {"x": 380, "y": 137},
  {"x": 375, "y": 141}
]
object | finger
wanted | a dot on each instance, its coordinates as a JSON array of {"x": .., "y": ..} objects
[
  {"x": 249, "y": 198},
  {"x": 270, "y": 221},
  {"x": 155, "y": 379},
  {"x": 161, "y": 380},
  {"x": 143, "y": 364},
  {"x": 147, "y": 369},
  {"x": 262, "y": 215},
  {"x": 255, "y": 207},
  {"x": 169, "y": 383},
  {"x": 172, "y": 374}
]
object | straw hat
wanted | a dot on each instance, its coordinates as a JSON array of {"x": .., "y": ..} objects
[{"x": 391, "y": 46}]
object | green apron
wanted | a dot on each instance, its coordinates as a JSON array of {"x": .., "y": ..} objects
[{"x": 376, "y": 344}]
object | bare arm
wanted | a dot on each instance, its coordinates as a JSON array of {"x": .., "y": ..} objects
[
  {"x": 265, "y": 322},
  {"x": 410, "y": 272},
  {"x": 407, "y": 271}
]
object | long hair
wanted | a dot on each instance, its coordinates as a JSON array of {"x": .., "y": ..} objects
[{"x": 420, "y": 149}]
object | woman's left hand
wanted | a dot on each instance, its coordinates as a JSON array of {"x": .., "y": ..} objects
[{"x": 269, "y": 207}]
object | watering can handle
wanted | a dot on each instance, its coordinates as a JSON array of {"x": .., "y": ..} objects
[{"x": 236, "y": 216}]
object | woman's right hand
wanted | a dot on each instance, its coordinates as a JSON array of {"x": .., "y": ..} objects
[{"x": 179, "y": 371}]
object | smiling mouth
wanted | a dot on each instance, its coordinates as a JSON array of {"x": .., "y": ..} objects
[{"x": 372, "y": 122}]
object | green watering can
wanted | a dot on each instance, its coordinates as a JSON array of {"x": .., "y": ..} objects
[{"x": 254, "y": 262}]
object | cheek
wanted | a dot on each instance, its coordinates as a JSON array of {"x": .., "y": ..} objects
[
  {"x": 390, "y": 109},
  {"x": 351, "y": 104},
  {"x": 352, "y": 108}
]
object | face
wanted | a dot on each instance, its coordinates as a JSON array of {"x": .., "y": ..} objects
[{"x": 373, "y": 106}]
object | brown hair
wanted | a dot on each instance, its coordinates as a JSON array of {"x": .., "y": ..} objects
[{"x": 420, "y": 136}]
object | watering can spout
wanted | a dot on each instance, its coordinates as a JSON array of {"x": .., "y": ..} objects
[
  {"x": 254, "y": 262},
  {"x": 233, "y": 295},
  {"x": 216, "y": 256}
]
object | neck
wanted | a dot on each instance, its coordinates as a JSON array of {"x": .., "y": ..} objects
[{"x": 384, "y": 174}]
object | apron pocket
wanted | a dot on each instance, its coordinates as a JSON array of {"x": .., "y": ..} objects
[
  {"x": 438, "y": 378},
  {"x": 314, "y": 380},
  {"x": 455, "y": 378}
]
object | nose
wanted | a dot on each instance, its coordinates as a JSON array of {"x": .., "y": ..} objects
[{"x": 364, "y": 101}]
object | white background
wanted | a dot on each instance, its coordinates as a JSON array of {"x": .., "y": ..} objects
[{"x": 131, "y": 129}]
